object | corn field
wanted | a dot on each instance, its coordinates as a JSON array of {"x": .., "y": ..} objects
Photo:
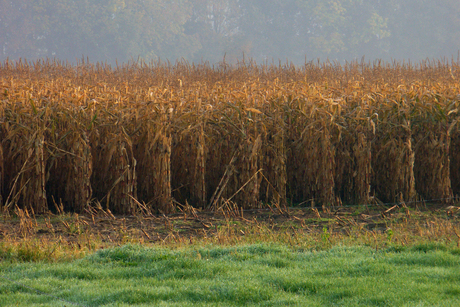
[{"x": 151, "y": 137}]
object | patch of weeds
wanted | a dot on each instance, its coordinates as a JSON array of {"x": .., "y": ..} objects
[
  {"x": 429, "y": 246},
  {"x": 318, "y": 220},
  {"x": 29, "y": 252},
  {"x": 455, "y": 251},
  {"x": 395, "y": 248},
  {"x": 359, "y": 210},
  {"x": 234, "y": 223},
  {"x": 454, "y": 291},
  {"x": 6, "y": 253},
  {"x": 290, "y": 225},
  {"x": 390, "y": 235},
  {"x": 304, "y": 287},
  {"x": 325, "y": 235}
]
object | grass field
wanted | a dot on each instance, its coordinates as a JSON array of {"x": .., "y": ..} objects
[
  {"x": 359, "y": 257},
  {"x": 260, "y": 274}
]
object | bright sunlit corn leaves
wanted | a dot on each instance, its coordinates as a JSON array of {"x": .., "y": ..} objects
[{"x": 147, "y": 138}]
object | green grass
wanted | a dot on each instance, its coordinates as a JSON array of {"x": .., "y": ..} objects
[{"x": 260, "y": 275}]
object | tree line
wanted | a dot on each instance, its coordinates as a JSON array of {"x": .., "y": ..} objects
[{"x": 207, "y": 30}]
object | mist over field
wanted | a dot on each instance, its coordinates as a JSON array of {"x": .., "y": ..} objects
[{"x": 267, "y": 31}]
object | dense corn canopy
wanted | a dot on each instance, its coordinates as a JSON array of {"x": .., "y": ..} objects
[{"x": 149, "y": 137}]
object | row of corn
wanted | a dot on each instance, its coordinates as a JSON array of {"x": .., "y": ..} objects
[{"x": 156, "y": 136}]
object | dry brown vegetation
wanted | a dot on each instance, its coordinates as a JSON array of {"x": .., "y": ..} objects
[
  {"x": 152, "y": 138},
  {"x": 68, "y": 236}
]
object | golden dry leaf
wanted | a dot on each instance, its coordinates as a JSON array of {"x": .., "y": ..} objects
[{"x": 253, "y": 110}]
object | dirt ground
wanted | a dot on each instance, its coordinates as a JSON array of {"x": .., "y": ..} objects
[{"x": 98, "y": 229}]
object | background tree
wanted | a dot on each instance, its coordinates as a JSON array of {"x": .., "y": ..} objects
[
  {"x": 423, "y": 28},
  {"x": 18, "y": 34},
  {"x": 215, "y": 25},
  {"x": 104, "y": 30}
]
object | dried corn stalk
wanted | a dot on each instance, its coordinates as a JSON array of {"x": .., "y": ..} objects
[
  {"x": 432, "y": 164},
  {"x": 454, "y": 157},
  {"x": 353, "y": 166},
  {"x": 273, "y": 185},
  {"x": 69, "y": 172},
  {"x": 114, "y": 179},
  {"x": 2, "y": 171},
  {"x": 153, "y": 152},
  {"x": 312, "y": 160},
  {"x": 244, "y": 185},
  {"x": 25, "y": 166},
  {"x": 188, "y": 166},
  {"x": 393, "y": 165}
]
